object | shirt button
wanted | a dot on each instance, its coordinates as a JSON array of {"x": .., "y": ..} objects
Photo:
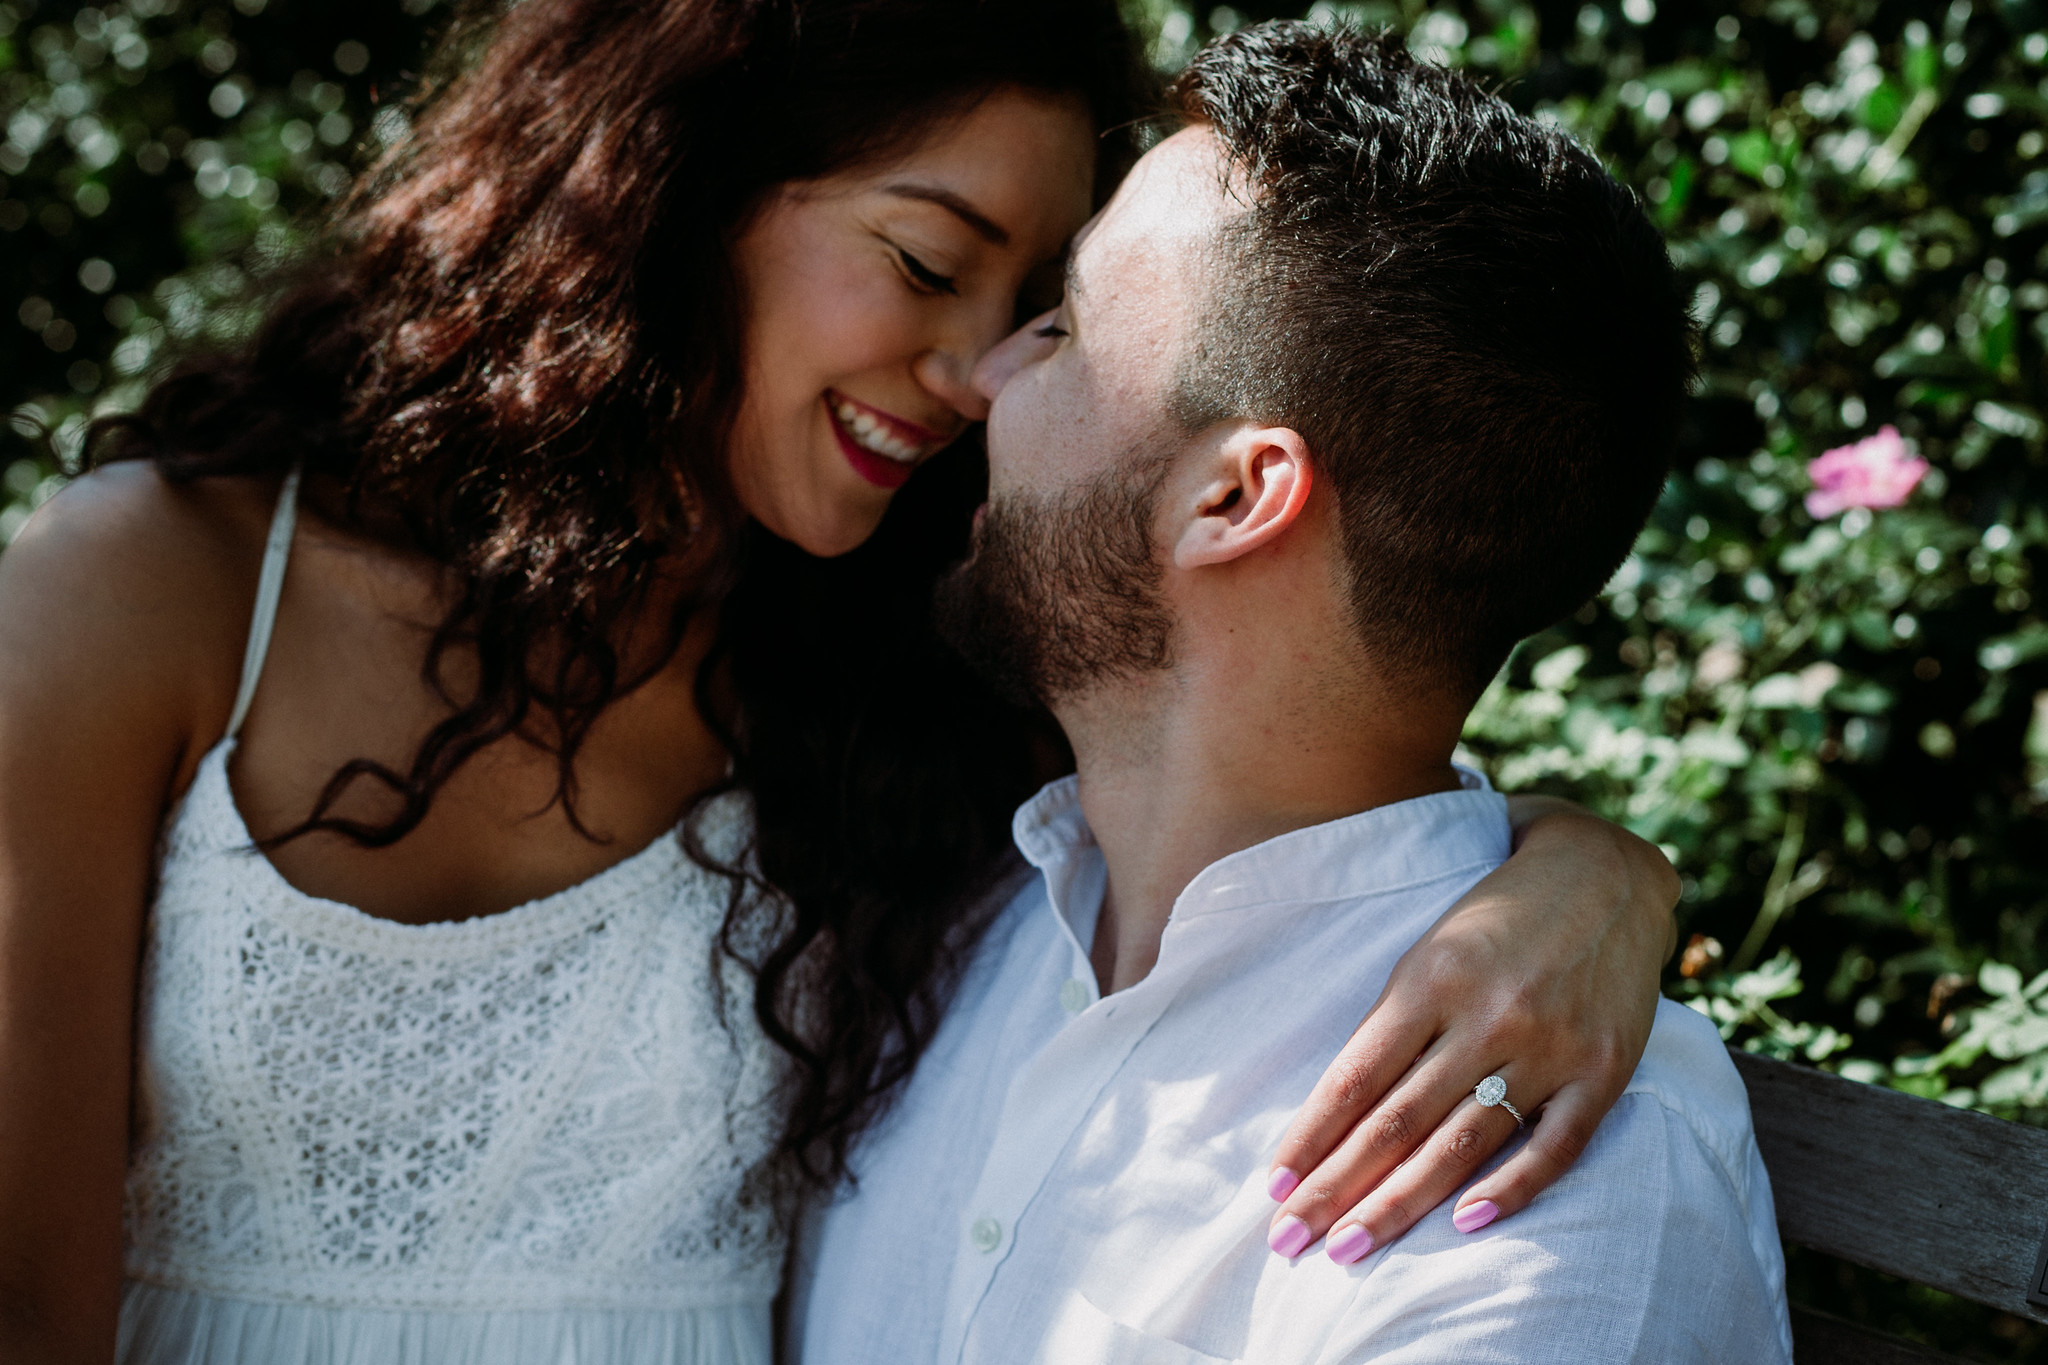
[
  {"x": 1073, "y": 996},
  {"x": 986, "y": 1234}
]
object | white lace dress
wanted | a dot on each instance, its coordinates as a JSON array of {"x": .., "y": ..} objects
[{"x": 541, "y": 1137}]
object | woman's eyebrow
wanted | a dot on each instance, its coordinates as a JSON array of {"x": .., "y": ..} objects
[{"x": 984, "y": 226}]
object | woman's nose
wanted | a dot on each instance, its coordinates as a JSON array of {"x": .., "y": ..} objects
[{"x": 948, "y": 376}]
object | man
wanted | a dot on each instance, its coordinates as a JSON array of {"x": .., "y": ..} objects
[{"x": 1359, "y": 379}]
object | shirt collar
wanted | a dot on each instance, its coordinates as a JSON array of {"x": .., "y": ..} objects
[
  {"x": 1054, "y": 837},
  {"x": 1373, "y": 852}
]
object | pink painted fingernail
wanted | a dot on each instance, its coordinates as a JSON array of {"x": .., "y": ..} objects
[
  {"x": 1475, "y": 1215},
  {"x": 1349, "y": 1245},
  {"x": 1289, "y": 1236},
  {"x": 1282, "y": 1183}
]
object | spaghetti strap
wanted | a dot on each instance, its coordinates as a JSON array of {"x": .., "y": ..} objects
[{"x": 277, "y": 551}]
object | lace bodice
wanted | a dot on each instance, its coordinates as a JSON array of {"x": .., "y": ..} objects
[{"x": 564, "y": 1105}]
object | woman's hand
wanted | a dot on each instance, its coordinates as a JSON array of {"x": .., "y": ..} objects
[{"x": 1544, "y": 974}]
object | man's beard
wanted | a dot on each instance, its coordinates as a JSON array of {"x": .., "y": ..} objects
[{"x": 1060, "y": 593}]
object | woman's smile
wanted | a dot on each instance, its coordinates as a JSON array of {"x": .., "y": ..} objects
[{"x": 882, "y": 447}]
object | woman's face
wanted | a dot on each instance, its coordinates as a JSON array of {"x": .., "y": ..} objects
[{"x": 871, "y": 295}]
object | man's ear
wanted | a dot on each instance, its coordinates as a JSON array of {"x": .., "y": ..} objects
[{"x": 1257, "y": 486}]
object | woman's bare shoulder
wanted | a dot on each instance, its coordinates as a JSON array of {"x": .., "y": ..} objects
[{"x": 125, "y": 582}]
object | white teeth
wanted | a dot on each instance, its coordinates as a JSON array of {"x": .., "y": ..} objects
[{"x": 874, "y": 436}]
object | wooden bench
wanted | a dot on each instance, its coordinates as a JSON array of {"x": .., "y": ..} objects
[{"x": 1940, "y": 1196}]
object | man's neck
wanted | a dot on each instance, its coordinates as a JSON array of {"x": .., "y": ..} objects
[{"x": 1180, "y": 772}]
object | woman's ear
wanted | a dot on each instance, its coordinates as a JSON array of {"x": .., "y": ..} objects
[{"x": 1258, "y": 485}]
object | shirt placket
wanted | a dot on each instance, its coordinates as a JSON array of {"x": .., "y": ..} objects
[
  {"x": 1049, "y": 1098},
  {"x": 1047, "y": 1101}
]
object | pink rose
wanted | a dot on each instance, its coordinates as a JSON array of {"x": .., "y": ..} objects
[{"x": 1875, "y": 472}]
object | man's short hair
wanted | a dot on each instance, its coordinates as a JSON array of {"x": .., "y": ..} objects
[{"x": 1474, "y": 328}]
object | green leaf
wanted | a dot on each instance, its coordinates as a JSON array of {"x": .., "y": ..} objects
[
  {"x": 2007, "y": 651},
  {"x": 1683, "y": 174},
  {"x": 1557, "y": 672},
  {"x": 1996, "y": 978},
  {"x": 2019, "y": 212},
  {"x": 1922, "y": 67},
  {"x": 1995, "y": 342},
  {"x": 1872, "y": 629},
  {"x": 1750, "y": 152},
  {"x": 1936, "y": 398},
  {"x": 1881, "y": 108},
  {"x": 1862, "y": 697}
]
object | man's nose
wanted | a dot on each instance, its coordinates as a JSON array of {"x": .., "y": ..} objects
[
  {"x": 969, "y": 385},
  {"x": 1008, "y": 356}
]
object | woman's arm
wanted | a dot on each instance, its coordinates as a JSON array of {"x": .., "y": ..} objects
[
  {"x": 95, "y": 715},
  {"x": 1544, "y": 974}
]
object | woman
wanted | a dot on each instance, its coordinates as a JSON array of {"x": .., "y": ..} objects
[{"x": 576, "y": 498}]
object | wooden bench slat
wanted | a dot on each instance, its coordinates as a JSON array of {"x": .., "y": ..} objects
[
  {"x": 1823, "y": 1339},
  {"x": 1912, "y": 1187}
]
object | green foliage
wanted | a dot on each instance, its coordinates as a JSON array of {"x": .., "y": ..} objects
[
  {"x": 1741, "y": 1003},
  {"x": 1836, "y": 726},
  {"x": 2010, "y": 1029},
  {"x": 157, "y": 154}
]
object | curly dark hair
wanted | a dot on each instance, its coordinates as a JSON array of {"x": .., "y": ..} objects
[{"x": 518, "y": 354}]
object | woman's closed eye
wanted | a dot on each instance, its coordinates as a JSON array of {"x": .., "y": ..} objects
[{"x": 923, "y": 277}]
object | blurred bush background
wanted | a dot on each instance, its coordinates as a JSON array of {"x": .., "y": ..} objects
[{"x": 1837, "y": 726}]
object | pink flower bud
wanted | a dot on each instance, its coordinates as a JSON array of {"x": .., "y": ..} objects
[{"x": 1877, "y": 471}]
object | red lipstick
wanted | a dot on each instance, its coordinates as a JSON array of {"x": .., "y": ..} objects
[
  {"x": 883, "y": 448},
  {"x": 882, "y": 473}
]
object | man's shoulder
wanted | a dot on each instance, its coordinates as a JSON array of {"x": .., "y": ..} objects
[
  {"x": 1686, "y": 1068},
  {"x": 1658, "y": 1244}
]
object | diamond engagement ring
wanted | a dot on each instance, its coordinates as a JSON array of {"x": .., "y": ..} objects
[{"x": 1494, "y": 1091}]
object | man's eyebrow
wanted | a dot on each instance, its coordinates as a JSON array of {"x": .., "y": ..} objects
[{"x": 984, "y": 226}]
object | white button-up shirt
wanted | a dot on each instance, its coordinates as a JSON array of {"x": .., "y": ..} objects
[{"x": 1074, "y": 1179}]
